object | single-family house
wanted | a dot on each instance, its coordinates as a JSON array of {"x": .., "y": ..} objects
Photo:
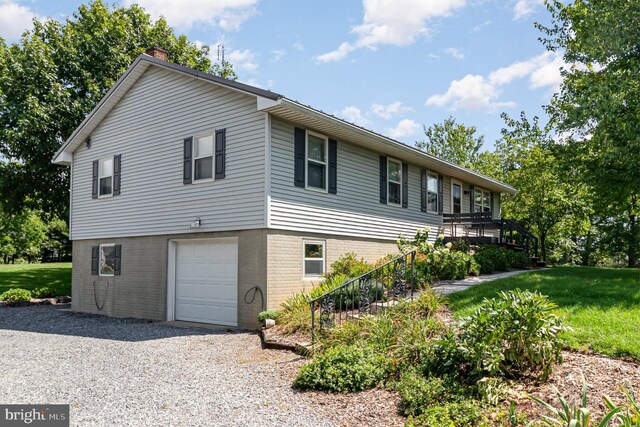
[{"x": 202, "y": 199}]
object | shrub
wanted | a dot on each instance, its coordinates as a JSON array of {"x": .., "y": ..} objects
[
  {"x": 456, "y": 414},
  {"x": 442, "y": 264},
  {"x": 498, "y": 256},
  {"x": 343, "y": 369},
  {"x": 43, "y": 292},
  {"x": 269, "y": 314},
  {"x": 511, "y": 335},
  {"x": 350, "y": 266},
  {"x": 418, "y": 393},
  {"x": 348, "y": 298},
  {"x": 484, "y": 262},
  {"x": 16, "y": 295},
  {"x": 460, "y": 246},
  {"x": 518, "y": 260}
]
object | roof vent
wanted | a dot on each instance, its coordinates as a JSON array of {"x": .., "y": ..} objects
[{"x": 158, "y": 53}]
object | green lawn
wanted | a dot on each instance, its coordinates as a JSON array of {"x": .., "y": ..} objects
[
  {"x": 56, "y": 276},
  {"x": 601, "y": 305}
]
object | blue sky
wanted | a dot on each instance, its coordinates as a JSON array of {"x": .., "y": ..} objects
[{"x": 389, "y": 65}]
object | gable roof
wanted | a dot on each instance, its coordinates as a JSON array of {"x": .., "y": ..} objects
[{"x": 282, "y": 107}]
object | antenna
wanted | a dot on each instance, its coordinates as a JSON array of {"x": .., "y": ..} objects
[{"x": 221, "y": 53}]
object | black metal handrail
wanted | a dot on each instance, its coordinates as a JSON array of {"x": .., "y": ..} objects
[{"x": 369, "y": 293}]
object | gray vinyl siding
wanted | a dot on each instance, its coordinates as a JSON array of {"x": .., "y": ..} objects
[
  {"x": 356, "y": 209},
  {"x": 147, "y": 128}
]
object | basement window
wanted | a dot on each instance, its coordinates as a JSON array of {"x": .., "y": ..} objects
[
  {"x": 313, "y": 262},
  {"x": 107, "y": 259}
]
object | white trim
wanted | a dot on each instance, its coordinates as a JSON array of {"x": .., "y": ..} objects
[
  {"x": 433, "y": 175},
  {"x": 456, "y": 182},
  {"x": 194, "y": 158},
  {"x": 100, "y": 246},
  {"x": 100, "y": 176},
  {"x": 307, "y": 160},
  {"x": 394, "y": 160},
  {"x": 267, "y": 169},
  {"x": 71, "y": 200},
  {"x": 482, "y": 206},
  {"x": 304, "y": 258}
]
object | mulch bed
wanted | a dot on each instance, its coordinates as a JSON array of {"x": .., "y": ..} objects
[{"x": 379, "y": 407}]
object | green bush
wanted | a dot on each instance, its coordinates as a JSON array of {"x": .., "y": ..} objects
[
  {"x": 43, "y": 292},
  {"x": 442, "y": 264},
  {"x": 511, "y": 335},
  {"x": 418, "y": 393},
  {"x": 460, "y": 246},
  {"x": 484, "y": 262},
  {"x": 498, "y": 256},
  {"x": 350, "y": 266},
  {"x": 16, "y": 295},
  {"x": 348, "y": 298},
  {"x": 519, "y": 260},
  {"x": 344, "y": 369},
  {"x": 269, "y": 314},
  {"x": 456, "y": 414}
]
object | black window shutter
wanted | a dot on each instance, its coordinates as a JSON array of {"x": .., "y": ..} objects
[
  {"x": 440, "y": 194},
  {"x": 94, "y": 181},
  {"x": 95, "y": 254},
  {"x": 299, "y": 154},
  {"x": 423, "y": 190},
  {"x": 333, "y": 166},
  {"x": 383, "y": 179},
  {"x": 471, "y": 199},
  {"x": 405, "y": 185},
  {"x": 117, "y": 256},
  {"x": 221, "y": 144},
  {"x": 186, "y": 171},
  {"x": 116, "y": 174}
]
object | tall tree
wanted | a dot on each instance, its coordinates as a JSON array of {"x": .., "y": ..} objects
[
  {"x": 598, "y": 106},
  {"x": 452, "y": 141},
  {"x": 55, "y": 75},
  {"x": 545, "y": 197}
]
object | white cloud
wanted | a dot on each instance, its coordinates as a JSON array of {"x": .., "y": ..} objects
[
  {"x": 405, "y": 127},
  {"x": 455, "y": 53},
  {"x": 354, "y": 115},
  {"x": 393, "y": 22},
  {"x": 389, "y": 110},
  {"x": 243, "y": 60},
  {"x": 476, "y": 92},
  {"x": 14, "y": 19},
  {"x": 226, "y": 14},
  {"x": 277, "y": 54},
  {"x": 298, "y": 47},
  {"x": 481, "y": 26},
  {"x": 523, "y": 8}
]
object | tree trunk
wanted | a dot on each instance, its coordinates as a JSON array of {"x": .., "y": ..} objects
[
  {"x": 543, "y": 246},
  {"x": 634, "y": 232}
]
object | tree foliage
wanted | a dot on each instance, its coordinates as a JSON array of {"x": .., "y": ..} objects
[
  {"x": 452, "y": 141},
  {"x": 545, "y": 197},
  {"x": 598, "y": 107},
  {"x": 55, "y": 75}
]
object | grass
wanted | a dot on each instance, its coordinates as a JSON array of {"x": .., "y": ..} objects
[
  {"x": 56, "y": 276},
  {"x": 601, "y": 305}
]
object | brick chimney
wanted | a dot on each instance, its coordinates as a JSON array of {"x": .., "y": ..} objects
[{"x": 158, "y": 53}]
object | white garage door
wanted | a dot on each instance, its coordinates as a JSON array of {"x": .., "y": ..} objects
[{"x": 207, "y": 281}]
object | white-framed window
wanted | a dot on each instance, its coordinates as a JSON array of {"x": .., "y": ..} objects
[
  {"x": 432, "y": 192},
  {"x": 456, "y": 197},
  {"x": 481, "y": 200},
  {"x": 316, "y": 162},
  {"x": 105, "y": 177},
  {"x": 107, "y": 260},
  {"x": 394, "y": 181},
  {"x": 313, "y": 253},
  {"x": 203, "y": 157}
]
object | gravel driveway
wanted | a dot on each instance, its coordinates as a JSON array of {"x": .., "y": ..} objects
[{"x": 124, "y": 372}]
